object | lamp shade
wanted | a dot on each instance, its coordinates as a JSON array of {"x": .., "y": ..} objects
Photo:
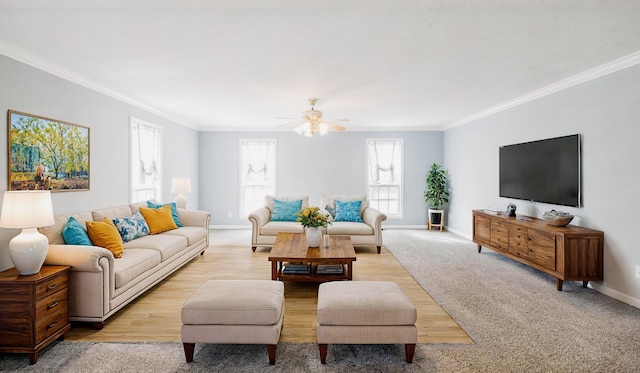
[
  {"x": 26, "y": 209},
  {"x": 181, "y": 185}
]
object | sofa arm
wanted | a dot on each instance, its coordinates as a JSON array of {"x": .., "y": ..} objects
[
  {"x": 80, "y": 258},
  {"x": 373, "y": 218},
  {"x": 260, "y": 217},
  {"x": 194, "y": 218}
]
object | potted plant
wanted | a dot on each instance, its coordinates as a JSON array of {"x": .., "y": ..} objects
[{"x": 436, "y": 194}]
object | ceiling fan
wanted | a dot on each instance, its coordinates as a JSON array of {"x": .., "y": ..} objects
[{"x": 313, "y": 123}]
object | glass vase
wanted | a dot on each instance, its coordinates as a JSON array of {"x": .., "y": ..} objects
[{"x": 314, "y": 236}]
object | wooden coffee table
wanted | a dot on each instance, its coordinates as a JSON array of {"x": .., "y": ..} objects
[{"x": 292, "y": 248}]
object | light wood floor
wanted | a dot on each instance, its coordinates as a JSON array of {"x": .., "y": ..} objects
[{"x": 155, "y": 316}]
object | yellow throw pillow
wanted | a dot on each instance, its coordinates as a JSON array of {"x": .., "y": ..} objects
[
  {"x": 105, "y": 234},
  {"x": 159, "y": 220}
]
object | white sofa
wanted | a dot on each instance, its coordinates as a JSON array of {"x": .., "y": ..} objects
[
  {"x": 367, "y": 233},
  {"x": 99, "y": 284}
]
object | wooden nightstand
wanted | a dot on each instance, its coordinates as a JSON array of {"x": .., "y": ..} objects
[{"x": 33, "y": 309}]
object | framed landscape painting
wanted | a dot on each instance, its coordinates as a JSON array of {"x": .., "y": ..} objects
[{"x": 46, "y": 154}]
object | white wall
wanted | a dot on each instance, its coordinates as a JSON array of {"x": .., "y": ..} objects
[
  {"x": 606, "y": 111},
  {"x": 26, "y": 89},
  {"x": 331, "y": 164}
]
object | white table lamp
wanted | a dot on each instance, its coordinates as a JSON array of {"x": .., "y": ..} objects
[
  {"x": 181, "y": 185},
  {"x": 27, "y": 210}
]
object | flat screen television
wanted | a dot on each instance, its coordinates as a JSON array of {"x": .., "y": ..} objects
[{"x": 542, "y": 171}]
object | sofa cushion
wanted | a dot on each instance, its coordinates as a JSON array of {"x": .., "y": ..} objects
[
  {"x": 74, "y": 233},
  {"x": 285, "y": 210},
  {"x": 350, "y": 228},
  {"x": 268, "y": 200},
  {"x": 158, "y": 219},
  {"x": 272, "y": 228},
  {"x": 131, "y": 227},
  {"x": 166, "y": 245},
  {"x": 192, "y": 234},
  {"x": 112, "y": 213},
  {"x": 348, "y": 211},
  {"x": 174, "y": 210},
  {"x": 104, "y": 234},
  {"x": 133, "y": 263}
]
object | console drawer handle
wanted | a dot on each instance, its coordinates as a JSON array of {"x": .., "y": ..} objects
[
  {"x": 52, "y": 325},
  {"x": 52, "y": 305},
  {"x": 53, "y": 286}
]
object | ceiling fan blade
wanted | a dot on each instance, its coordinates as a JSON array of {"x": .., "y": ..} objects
[
  {"x": 337, "y": 120},
  {"x": 334, "y": 126}
]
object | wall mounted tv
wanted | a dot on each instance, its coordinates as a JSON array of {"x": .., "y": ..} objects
[{"x": 542, "y": 171}]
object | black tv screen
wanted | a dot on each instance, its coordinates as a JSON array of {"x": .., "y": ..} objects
[{"x": 543, "y": 171}]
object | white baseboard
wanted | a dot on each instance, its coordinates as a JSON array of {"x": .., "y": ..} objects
[
  {"x": 229, "y": 226},
  {"x": 615, "y": 294},
  {"x": 404, "y": 227}
]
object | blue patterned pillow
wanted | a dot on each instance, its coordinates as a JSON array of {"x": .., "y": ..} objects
[
  {"x": 74, "y": 233},
  {"x": 131, "y": 227},
  {"x": 348, "y": 211},
  {"x": 174, "y": 211},
  {"x": 285, "y": 210}
]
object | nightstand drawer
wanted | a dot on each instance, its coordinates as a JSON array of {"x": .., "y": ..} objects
[
  {"x": 51, "y": 324},
  {"x": 51, "y": 304},
  {"x": 51, "y": 286}
]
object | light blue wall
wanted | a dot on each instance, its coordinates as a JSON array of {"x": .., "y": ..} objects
[
  {"x": 26, "y": 89},
  {"x": 332, "y": 164},
  {"x": 606, "y": 111}
]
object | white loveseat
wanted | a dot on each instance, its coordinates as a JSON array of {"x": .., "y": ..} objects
[
  {"x": 99, "y": 284},
  {"x": 367, "y": 233}
]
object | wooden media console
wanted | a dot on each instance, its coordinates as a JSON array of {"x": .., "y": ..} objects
[{"x": 568, "y": 253}]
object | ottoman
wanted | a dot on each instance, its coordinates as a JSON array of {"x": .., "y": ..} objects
[
  {"x": 365, "y": 312},
  {"x": 234, "y": 312}
]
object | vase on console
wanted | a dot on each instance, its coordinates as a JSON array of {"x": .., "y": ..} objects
[{"x": 314, "y": 236}]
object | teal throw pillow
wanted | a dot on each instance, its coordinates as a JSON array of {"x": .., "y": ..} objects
[
  {"x": 174, "y": 211},
  {"x": 131, "y": 227},
  {"x": 348, "y": 211},
  {"x": 285, "y": 210},
  {"x": 74, "y": 233}
]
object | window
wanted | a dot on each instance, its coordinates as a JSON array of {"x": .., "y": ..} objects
[
  {"x": 384, "y": 175},
  {"x": 146, "y": 161},
  {"x": 257, "y": 173}
]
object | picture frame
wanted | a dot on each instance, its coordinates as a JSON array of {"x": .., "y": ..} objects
[{"x": 47, "y": 154}]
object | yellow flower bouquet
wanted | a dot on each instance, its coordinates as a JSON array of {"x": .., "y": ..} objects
[{"x": 312, "y": 217}]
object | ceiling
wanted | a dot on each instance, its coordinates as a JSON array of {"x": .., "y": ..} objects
[{"x": 401, "y": 64}]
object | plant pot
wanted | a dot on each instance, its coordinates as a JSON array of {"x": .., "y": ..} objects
[{"x": 436, "y": 217}]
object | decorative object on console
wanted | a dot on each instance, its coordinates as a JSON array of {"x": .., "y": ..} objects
[
  {"x": 312, "y": 219},
  {"x": 436, "y": 195},
  {"x": 557, "y": 218},
  {"x": 511, "y": 210},
  {"x": 313, "y": 123},
  {"x": 181, "y": 185},
  {"x": 27, "y": 210}
]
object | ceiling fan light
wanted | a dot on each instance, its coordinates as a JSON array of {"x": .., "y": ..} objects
[{"x": 324, "y": 129}]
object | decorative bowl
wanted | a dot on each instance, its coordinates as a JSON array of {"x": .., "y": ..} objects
[{"x": 559, "y": 221}]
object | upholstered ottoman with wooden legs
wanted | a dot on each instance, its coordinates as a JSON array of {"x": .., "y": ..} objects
[
  {"x": 365, "y": 312},
  {"x": 234, "y": 312}
]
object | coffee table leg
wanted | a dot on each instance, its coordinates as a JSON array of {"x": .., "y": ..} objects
[
  {"x": 349, "y": 271},
  {"x": 274, "y": 270}
]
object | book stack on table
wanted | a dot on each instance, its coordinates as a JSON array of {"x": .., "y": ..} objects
[
  {"x": 329, "y": 269},
  {"x": 293, "y": 269}
]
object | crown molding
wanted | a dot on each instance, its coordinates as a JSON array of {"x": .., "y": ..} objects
[
  {"x": 47, "y": 66},
  {"x": 592, "y": 74}
]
